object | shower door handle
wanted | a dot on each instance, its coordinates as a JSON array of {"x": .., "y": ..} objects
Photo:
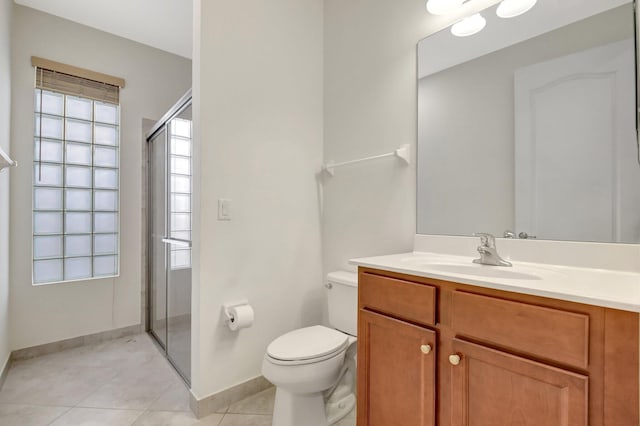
[{"x": 177, "y": 242}]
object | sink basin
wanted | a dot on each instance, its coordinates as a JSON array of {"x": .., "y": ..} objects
[
  {"x": 482, "y": 271},
  {"x": 449, "y": 264}
]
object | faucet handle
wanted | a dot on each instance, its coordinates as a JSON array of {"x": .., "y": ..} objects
[
  {"x": 486, "y": 239},
  {"x": 525, "y": 236}
]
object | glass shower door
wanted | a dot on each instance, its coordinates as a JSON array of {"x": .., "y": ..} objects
[
  {"x": 179, "y": 253},
  {"x": 170, "y": 190},
  {"x": 158, "y": 230}
]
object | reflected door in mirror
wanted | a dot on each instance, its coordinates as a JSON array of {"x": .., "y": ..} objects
[{"x": 576, "y": 172}]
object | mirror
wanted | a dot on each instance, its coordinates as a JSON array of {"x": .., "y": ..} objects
[{"x": 529, "y": 126}]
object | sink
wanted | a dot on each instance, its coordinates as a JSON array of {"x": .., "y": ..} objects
[
  {"x": 481, "y": 271},
  {"x": 464, "y": 266}
]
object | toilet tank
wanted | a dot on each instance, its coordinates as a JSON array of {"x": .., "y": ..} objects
[{"x": 342, "y": 298}]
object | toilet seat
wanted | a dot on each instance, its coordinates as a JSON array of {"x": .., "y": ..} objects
[{"x": 307, "y": 345}]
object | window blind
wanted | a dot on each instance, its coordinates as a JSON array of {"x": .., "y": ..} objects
[{"x": 76, "y": 81}]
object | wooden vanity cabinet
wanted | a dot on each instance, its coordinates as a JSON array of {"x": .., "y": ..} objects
[
  {"x": 432, "y": 352},
  {"x": 400, "y": 360},
  {"x": 491, "y": 387}
]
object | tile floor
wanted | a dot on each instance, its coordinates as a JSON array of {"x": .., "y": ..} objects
[{"x": 122, "y": 382}]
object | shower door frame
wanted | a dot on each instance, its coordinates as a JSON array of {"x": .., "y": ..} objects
[{"x": 183, "y": 103}]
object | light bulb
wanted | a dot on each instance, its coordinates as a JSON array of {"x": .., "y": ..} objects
[
  {"x": 469, "y": 26},
  {"x": 512, "y": 8},
  {"x": 443, "y": 7}
]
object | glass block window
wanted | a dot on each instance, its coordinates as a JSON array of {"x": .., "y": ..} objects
[
  {"x": 180, "y": 151},
  {"x": 75, "y": 188}
]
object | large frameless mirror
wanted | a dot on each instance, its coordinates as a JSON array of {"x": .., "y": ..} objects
[{"x": 528, "y": 128}]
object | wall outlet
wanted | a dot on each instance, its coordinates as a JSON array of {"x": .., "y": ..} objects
[{"x": 224, "y": 209}]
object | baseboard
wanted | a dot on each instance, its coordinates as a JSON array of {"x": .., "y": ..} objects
[
  {"x": 5, "y": 370},
  {"x": 75, "y": 342},
  {"x": 221, "y": 400}
]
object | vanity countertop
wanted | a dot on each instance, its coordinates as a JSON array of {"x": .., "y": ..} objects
[{"x": 600, "y": 287}]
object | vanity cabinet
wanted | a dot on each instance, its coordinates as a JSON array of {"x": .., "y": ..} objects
[
  {"x": 402, "y": 392},
  {"x": 491, "y": 387},
  {"x": 434, "y": 352}
]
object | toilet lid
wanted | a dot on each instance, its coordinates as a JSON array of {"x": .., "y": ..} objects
[{"x": 307, "y": 343}]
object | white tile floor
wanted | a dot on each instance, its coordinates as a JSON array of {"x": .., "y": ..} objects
[{"x": 122, "y": 382}]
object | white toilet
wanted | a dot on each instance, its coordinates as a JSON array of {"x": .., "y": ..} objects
[{"x": 313, "y": 368}]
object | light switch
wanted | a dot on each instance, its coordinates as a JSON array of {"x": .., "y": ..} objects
[{"x": 224, "y": 209}]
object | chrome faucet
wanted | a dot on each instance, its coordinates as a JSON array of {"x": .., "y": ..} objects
[
  {"x": 488, "y": 252},
  {"x": 509, "y": 234}
]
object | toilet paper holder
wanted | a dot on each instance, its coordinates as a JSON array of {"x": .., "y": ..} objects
[{"x": 226, "y": 308}]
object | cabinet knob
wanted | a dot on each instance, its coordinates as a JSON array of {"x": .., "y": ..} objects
[
  {"x": 454, "y": 359},
  {"x": 425, "y": 349}
]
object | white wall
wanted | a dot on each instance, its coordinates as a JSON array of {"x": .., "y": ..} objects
[
  {"x": 154, "y": 81},
  {"x": 258, "y": 132},
  {"x": 370, "y": 108},
  {"x": 5, "y": 119}
]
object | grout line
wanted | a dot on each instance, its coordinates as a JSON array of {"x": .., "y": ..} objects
[
  {"x": 61, "y": 414},
  {"x": 158, "y": 397},
  {"x": 269, "y": 416},
  {"x": 95, "y": 408},
  {"x": 139, "y": 417},
  {"x": 31, "y": 404},
  {"x": 106, "y": 382}
]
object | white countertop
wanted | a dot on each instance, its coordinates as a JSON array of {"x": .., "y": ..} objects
[{"x": 601, "y": 287}]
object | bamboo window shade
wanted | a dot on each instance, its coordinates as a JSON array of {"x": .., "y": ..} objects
[{"x": 76, "y": 81}]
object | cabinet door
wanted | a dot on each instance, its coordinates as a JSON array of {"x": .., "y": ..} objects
[
  {"x": 396, "y": 372},
  {"x": 491, "y": 387}
]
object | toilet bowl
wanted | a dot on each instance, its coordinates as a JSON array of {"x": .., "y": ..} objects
[{"x": 313, "y": 368}]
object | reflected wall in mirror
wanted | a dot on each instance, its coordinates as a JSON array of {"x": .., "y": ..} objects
[{"x": 530, "y": 126}]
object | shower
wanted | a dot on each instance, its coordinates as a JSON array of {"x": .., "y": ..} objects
[{"x": 169, "y": 193}]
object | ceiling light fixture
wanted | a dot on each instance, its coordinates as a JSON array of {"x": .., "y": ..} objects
[
  {"x": 469, "y": 26},
  {"x": 443, "y": 7},
  {"x": 513, "y": 8}
]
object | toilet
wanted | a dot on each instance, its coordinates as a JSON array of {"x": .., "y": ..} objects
[{"x": 313, "y": 368}]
